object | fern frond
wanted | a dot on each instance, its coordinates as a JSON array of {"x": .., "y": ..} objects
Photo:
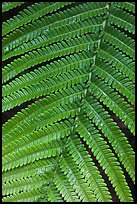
[
  {"x": 36, "y": 11},
  {"x": 46, "y": 54},
  {"x": 68, "y": 88},
  {"x": 113, "y": 101},
  {"x": 51, "y": 70},
  {"x": 53, "y": 195},
  {"x": 67, "y": 17},
  {"x": 129, "y": 6},
  {"x": 44, "y": 88},
  {"x": 117, "y": 139},
  {"x": 118, "y": 60},
  {"x": 120, "y": 41},
  {"x": 47, "y": 118},
  {"x": 47, "y": 135},
  {"x": 115, "y": 79},
  {"x": 106, "y": 158},
  {"x": 27, "y": 196},
  {"x": 6, "y": 6},
  {"x": 122, "y": 19},
  {"x": 23, "y": 185},
  {"x": 88, "y": 169},
  {"x": 68, "y": 166},
  {"x": 30, "y": 170},
  {"x": 22, "y": 119},
  {"x": 65, "y": 188},
  {"x": 53, "y": 36}
]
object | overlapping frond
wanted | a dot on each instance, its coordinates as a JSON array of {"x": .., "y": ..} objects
[{"x": 74, "y": 63}]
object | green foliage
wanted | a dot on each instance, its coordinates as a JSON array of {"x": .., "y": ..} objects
[{"x": 71, "y": 65}]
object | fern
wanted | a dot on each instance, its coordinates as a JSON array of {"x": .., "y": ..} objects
[{"x": 68, "y": 76}]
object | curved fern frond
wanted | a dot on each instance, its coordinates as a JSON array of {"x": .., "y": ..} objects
[
  {"x": 42, "y": 120},
  {"x": 53, "y": 195},
  {"x": 27, "y": 196},
  {"x": 129, "y": 6},
  {"x": 44, "y": 88},
  {"x": 118, "y": 60},
  {"x": 48, "y": 134},
  {"x": 69, "y": 168},
  {"x": 65, "y": 188},
  {"x": 12, "y": 127},
  {"x": 120, "y": 41},
  {"x": 115, "y": 79},
  {"x": 32, "y": 169}
]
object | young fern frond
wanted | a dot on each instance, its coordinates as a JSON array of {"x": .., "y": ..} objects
[{"x": 68, "y": 83}]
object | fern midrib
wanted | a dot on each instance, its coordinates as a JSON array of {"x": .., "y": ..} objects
[{"x": 65, "y": 158}]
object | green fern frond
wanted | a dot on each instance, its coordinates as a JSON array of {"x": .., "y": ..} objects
[
  {"x": 102, "y": 120},
  {"x": 129, "y": 6},
  {"x": 69, "y": 16},
  {"x": 36, "y": 11},
  {"x": 46, "y": 54},
  {"x": 52, "y": 70},
  {"x": 27, "y": 196},
  {"x": 6, "y": 6},
  {"x": 106, "y": 159},
  {"x": 120, "y": 41},
  {"x": 55, "y": 35},
  {"x": 88, "y": 169},
  {"x": 28, "y": 114},
  {"x": 112, "y": 100},
  {"x": 68, "y": 100},
  {"x": 122, "y": 19}
]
